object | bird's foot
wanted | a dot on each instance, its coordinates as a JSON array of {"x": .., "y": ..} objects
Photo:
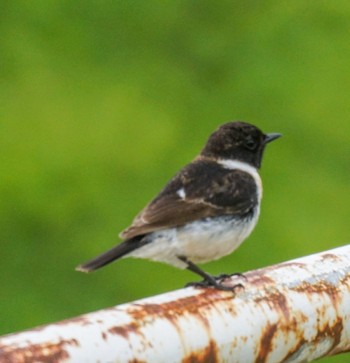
[
  {"x": 206, "y": 284},
  {"x": 215, "y": 282},
  {"x": 209, "y": 280},
  {"x": 226, "y": 276}
]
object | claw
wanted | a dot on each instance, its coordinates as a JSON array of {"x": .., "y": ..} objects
[
  {"x": 209, "y": 280},
  {"x": 226, "y": 276},
  {"x": 206, "y": 284},
  {"x": 213, "y": 283}
]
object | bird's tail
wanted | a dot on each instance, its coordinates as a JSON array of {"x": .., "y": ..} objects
[{"x": 113, "y": 254}]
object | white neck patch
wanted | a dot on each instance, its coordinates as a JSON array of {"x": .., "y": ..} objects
[{"x": 239, "y": 165}]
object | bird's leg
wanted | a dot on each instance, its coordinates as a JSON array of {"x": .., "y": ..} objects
[{"x": 209, "y": 280}]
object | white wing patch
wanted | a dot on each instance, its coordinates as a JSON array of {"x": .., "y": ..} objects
[{"x": 181, "y": 193}]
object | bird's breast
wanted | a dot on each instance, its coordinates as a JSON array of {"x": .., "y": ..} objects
[
  {"x": 200, "y": 241},
  {"x": 212, "y": 238}
]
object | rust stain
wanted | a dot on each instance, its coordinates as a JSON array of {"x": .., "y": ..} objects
[
  {"x": 195, "y": 307},
  {"x": 329, "y": 256},
  {"x": 146, "y": 312},
  {"x": 334, "y": 332},
  {"x": 294, "y": 351},
  {"x": 345, "y": 284},
  {"x": 266, "y": 343},
  {"x": 339, "y": 350},
  {"x": 125, "y": 330},
  {"x": 277, "y": 302},
  {"x": 283, "y": 265},
  {"x": 244, "y": 339},
  {"x": 200, "y": 307},
  {"x": 104, "y": 336},
  {"x": 259, "y": 278},
  {"x": 324, "y": 329},
  {"x": 207, "y": 355},
  {"x": 315, "y": 288},
  {"x": 190, "y": 304},
  {"x": 174, "y": 311},
  {"x": 132, "y": 328},
  {"x": 320, "y": 287},
  {"x": 82, "y": 320},
  {"x": 53, "y": 353}
]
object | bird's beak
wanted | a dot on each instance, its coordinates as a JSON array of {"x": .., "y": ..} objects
[{"x": 271, "y": 137}]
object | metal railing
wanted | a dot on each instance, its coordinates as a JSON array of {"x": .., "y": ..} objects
[{"x": 296, "y": 311}]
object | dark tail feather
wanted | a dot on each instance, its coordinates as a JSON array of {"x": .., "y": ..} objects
[{"x": 111, "y": 255}]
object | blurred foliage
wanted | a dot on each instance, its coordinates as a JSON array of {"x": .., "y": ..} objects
[{"x": 102, "y": 102}]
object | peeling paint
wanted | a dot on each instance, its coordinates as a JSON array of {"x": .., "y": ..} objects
[
  {"x": 266, "y": 343},
  {"x": 292, "y": 312},
  {"x": 49, "y": 352},
  {"x": 207, "y": 355}
]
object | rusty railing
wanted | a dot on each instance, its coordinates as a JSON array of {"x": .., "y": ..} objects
[{"x": 295, "y": 311}]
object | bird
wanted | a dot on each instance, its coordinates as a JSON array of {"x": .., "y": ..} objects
[{"x": 205, "y": 211}]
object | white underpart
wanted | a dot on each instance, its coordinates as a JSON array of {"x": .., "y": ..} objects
[
  {"x": 200, "y": 241},
  {"x": 181, "y": 193},
  {"x": 203, "y": 240}
]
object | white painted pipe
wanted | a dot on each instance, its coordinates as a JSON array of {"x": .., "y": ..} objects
[{"x": 295, "y": 311}]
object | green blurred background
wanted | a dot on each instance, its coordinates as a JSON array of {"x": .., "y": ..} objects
[{"x": 102, "y": 102}]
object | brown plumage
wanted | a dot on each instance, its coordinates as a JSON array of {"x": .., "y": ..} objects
[
  {"x": 218, "y": 191},
  {"x": 205, "y": 211}
]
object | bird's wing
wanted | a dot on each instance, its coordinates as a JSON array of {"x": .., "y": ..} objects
[{"x": 194, "y": 193}]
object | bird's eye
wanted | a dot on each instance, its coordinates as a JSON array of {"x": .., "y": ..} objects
[{"x": 250, "y": 144}]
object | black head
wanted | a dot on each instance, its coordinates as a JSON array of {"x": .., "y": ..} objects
[{"x": 238, "y": 141}]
